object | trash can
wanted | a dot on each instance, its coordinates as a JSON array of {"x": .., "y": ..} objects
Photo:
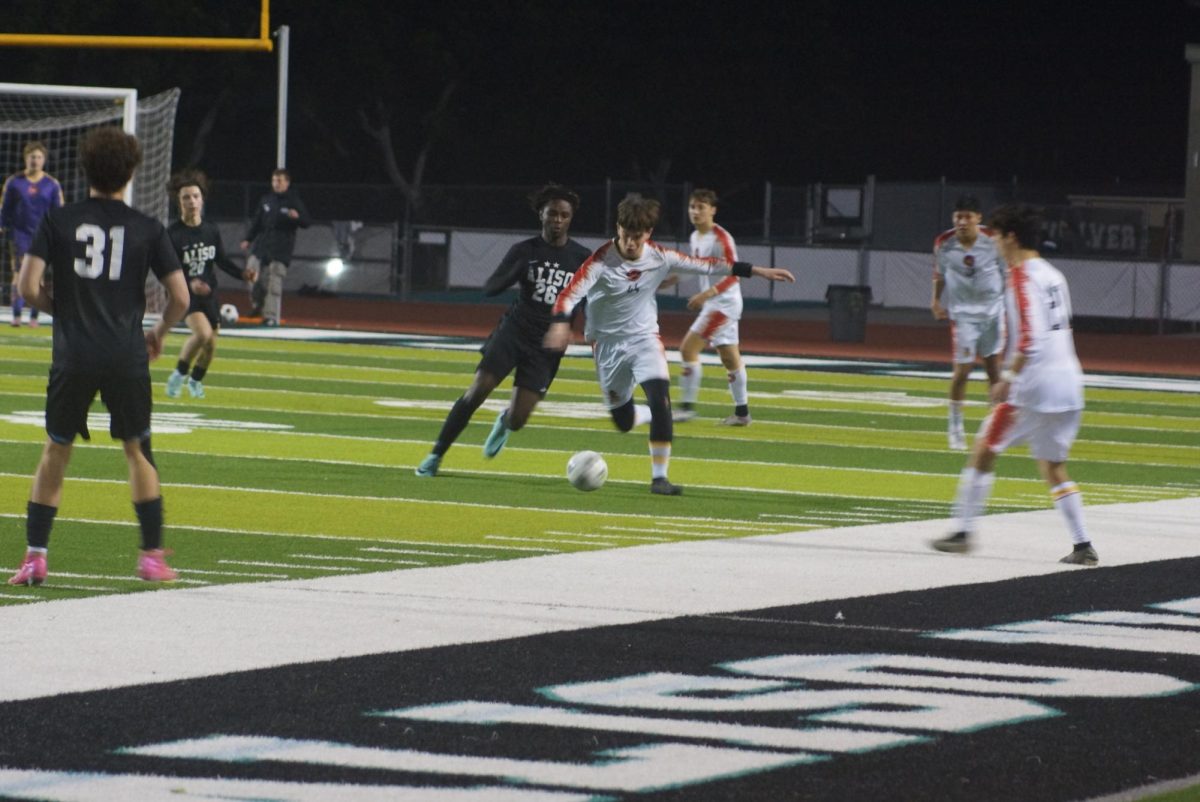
[{"x": 848, "y": 312}]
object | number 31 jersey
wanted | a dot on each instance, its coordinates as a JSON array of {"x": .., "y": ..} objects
[
  {"x": 98, "y": 254},
  {"x": 1039, "y": 317}
]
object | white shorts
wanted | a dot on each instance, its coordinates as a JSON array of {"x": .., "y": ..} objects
[
  {"x": 621, "y": 365},
  {"x": 716, "y": 326},
  {"x": 1049, "y": 434},
  {"x": 976, "y": 337}
]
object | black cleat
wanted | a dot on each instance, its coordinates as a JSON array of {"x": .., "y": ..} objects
[
  {"x": 662, "y": 487},
  {"x": 954, "y": 544},
  {"x": 1082, "y": 556}
]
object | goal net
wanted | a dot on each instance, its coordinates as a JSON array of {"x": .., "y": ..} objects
[{"x": 59, "y": 116}]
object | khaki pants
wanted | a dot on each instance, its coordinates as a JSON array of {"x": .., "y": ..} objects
[{"x": 268, "y": 289}]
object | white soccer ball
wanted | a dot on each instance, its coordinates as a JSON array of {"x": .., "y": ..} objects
[
  {"x": 587, "y": 470},
  {"x": 229, "y": 314}
]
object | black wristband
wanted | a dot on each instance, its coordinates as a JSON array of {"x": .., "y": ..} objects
[{"x": 743, "y": 269}]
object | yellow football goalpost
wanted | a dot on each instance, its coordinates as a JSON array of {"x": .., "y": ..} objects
[{"x": 262, "y": 43}]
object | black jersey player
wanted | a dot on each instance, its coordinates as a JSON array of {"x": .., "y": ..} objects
[
  {"x": 198, "y": 243},
  {"x": 87, "y": 267},
  {"x": 541, "y": 267}
]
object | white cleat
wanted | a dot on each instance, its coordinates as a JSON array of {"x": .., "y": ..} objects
[{"x": 958, "y": 440}]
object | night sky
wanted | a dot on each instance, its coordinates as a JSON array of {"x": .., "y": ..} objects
[{"x": 1060, "y": 91}]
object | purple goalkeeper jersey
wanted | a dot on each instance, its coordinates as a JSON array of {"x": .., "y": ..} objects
[{"x": 25, "y": 204}]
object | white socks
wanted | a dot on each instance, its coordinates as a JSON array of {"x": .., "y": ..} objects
[
  {"x": 641, "y": 414},
  {"x": 956, "y": 416},
  {"x": 1069, "y": 502},
  {"x": 737, "y": 386},
  {"x": 689, "y": 382},
  {"x": 660, "y": 458},
  {"x": 973, "y": 491}
]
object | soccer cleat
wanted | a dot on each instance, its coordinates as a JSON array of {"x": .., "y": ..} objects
[
  {"x": 270, "y": 322},
  {"x": 174, "y": 384},
  {"x": 16, "y": 322},
  {"x": 662, "y": 487},
  {"x": 152, "y": 567},
  {"x": 737, "y": 420},
  {"x": 497, "y": 437},
  {"x": 195, "y": 388},
  {"x": 683, "y": 415},
  {"x": 429, "y": 466},
  {"x": 958, "y": 440},
  {"x": 958, "y": 543},
  {"x": 1085, "y": 556},
  {"x": 32, "y": 570},
  {"x": 33, "y": 323}
]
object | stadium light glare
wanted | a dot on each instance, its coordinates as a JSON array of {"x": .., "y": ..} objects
[{"x": 334, "y": 267}]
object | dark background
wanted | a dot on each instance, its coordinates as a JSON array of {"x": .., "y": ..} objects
[{"x": 723, "y": 93}]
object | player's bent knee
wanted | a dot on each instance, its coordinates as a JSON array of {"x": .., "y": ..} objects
[{"x": 623, "y": 416}]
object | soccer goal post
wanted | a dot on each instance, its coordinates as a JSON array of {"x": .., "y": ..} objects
[{"x": 59, "y": 116}]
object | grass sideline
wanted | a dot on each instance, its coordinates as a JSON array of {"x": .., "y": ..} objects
[{"x": 299, "y": 463}]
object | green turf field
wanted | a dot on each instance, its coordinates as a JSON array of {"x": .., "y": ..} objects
[{"x": 299, "y": 463}]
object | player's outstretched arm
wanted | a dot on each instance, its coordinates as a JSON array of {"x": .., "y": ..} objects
[{"x": 773, "y": 273}]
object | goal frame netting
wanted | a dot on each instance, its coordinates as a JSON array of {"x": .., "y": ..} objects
[{"x": 61, "y": 114}]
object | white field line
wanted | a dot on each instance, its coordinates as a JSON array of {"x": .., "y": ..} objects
[
  {"x": 714, "y": 435},
  {"x": 608, "y": 539},
  {"x": 249, "y": 574},
  {"x": 455, "y": 378},
  {"x": 377, "y": 560},
  {"x": 438, "y": 502},
  {"x": 263, "y": 533},
  {"x": 420, "y": 553},
  {"x": 437, "y": 409},
  {"x": 459, "y": 546},
  {"x": 543, "y": 540},
  {"x": 745, "y": 526},
  {"x": 265, "y": 564},
  {"x": 135, "y": 579},
  {"x": 658, "y": 531}
]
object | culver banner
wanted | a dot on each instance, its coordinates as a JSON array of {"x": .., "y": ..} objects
[{"x": 1096, "y": 231}]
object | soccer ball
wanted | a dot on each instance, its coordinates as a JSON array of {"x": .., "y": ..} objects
[
  {"x": 229, "y": 314},
  {"x": 587, "y": 470}
]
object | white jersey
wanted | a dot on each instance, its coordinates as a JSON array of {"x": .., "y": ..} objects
[
  {"x": 1039, "y": 326},
  {"x": 974, "y": 276},
  {"x": 620, "y": 294},
  {"x": 718, "y": 243}
]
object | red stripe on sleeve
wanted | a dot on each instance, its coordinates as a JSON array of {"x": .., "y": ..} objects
[
  {"x": 1021, "y": 293},
  {"x": 567, "y": 299}
]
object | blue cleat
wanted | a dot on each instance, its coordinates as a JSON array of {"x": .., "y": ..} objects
[
  {"x": 195, "y": 388},
  {"x": 498, "y": 437},
  {"x": 174, "y": 384},
  {"x": 429, "y": 466}
]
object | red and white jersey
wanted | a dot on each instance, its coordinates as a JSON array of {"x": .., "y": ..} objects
[
  {"x": 719, "y": 244},
  {"x": 620, "y": 294},
  {"x": 974, "y": 276},
  {"x": 1039, "y": 317}
]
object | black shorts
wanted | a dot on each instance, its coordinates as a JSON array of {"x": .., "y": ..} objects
[
  {"x": 209, "y": 305},
  {"x": 70, "y": 394},
  {"x": 508, "y": 348}
]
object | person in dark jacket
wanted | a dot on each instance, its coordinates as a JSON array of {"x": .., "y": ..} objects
[{"x": 270, "y": 241}]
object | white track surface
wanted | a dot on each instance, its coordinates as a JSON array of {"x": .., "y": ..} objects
[{"x": 112, "y": 641}]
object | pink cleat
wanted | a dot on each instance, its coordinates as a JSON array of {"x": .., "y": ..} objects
[
  {"x": 32, "y": 570},
  {"x": 152, "y": 567}
]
